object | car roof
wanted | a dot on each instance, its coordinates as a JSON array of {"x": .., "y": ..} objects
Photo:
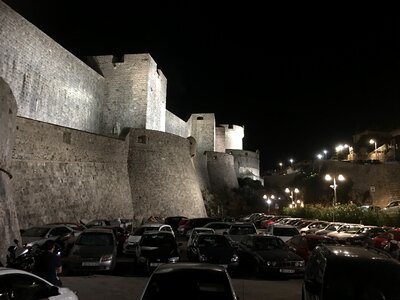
[
  {"x": 4, "y": 271},
  {"x": 157, "y": 232},
  {"x": 98, "y": 229},
  {"x": 242, "y": 224}
]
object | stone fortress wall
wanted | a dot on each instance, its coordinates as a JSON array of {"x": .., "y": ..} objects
[{"x": 96, "y": 144}]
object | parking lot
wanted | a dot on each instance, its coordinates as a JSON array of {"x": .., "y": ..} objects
[{"x": 126, "y": 283}]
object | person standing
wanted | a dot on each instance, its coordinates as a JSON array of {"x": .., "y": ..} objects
[{"x": 48, "y": 264}]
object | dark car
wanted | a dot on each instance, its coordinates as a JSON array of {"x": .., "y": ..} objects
[
  {"x": 302, "y": 245},
  {"x": 261, "y": 254},
  {"x": 213, "y": 248},
  {"x": 186, "y": 280},
  {"x": 156, "y": 248},
  {"x": 350, "y": 272},
  {"x": 95, "y": 249}
]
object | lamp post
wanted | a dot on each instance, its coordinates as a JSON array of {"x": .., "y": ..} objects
[
  {"x": 328, "y": 177},
  {"x": 292, "y": 193},
  {"x": 372, "y": 141}
]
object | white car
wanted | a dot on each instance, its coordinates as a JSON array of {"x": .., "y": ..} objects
[
  {"x": 283, "y": 231},
  {"x": 19, "y": 284},
  {"x": 132, "y": 242}
]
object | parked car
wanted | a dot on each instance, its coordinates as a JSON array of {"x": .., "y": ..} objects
[
  {"x": 283, "y": 231},
  {"x": 392, "y": 208},
  {"x": 239, "y": 230},
  {"x": 332, "y": 226},
  {"x": 133, "y": 239},
  {"x": 313, "y": 227},
  {"x": 302, "y": 245},
  {"x": 214, "y": 248},
  {"x": 186, "y": 280},
  {"x": 219, "y": 227},
  {"x": 195, "y": 231},
  {"x": 185, "y": 228},
  {"x": 382, "y": 239},
  {"x": 262, "y": 254},
  {"x": 350, "y": 272},
  {"x": 344, "y": 232},
  {"x": 63, "y": 235},
  {"x": 19, "y": 284},
  {"x": 94, "y": 250},
  {"x": 156, "y": 248},
  {"x": 369, "y": 208}
]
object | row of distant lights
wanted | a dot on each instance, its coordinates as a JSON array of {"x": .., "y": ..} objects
[{"x": 338, "y": 148}]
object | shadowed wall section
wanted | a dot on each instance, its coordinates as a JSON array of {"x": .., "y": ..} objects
[
  {"x": 221, "y": 171},
  {"x": 162, "y": 176},
  {"x": 9, "y": 226}
]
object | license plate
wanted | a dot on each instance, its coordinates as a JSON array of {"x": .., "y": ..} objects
[
  {"x": 287, "y": 271},
  {"x": 90, "y": 264}
]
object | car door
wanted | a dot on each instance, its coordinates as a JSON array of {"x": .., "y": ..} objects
[{"x": 25, "y": 287}]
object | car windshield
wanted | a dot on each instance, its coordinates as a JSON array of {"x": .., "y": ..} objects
[
  {"x": 35, "y": 231},
  {"x": 268, "y": 244},
  {"x": 189, "y": 284},
  {"x": 95, "y": 239},
  {"x": 242, "y": 230},
  {"x": 212, "y": 241},
  {"x": 155, "y": 240},
  {"x": 140, "y": 230}
]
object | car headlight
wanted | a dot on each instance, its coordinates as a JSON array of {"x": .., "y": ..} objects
[
  {"x": 271, "y": 263},
  {"x": 234, "y": 258},
  {"x": 107, "y": 257},
  {"x": 173, "y": 259}
]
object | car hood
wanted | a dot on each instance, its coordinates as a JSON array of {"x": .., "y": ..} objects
[
  {"x": 278, "y": 255},
  {"x": 217, "y": 251}
]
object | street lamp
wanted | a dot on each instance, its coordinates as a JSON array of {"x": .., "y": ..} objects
[
  {"x": 269, "y": 200},
  {"x": 372, "y": 141},
  {"x": 328, "y": 177},
  {"x": 292, "y": 193}
]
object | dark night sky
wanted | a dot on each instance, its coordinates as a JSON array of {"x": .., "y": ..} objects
[{"x": 298, "y": 80}]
